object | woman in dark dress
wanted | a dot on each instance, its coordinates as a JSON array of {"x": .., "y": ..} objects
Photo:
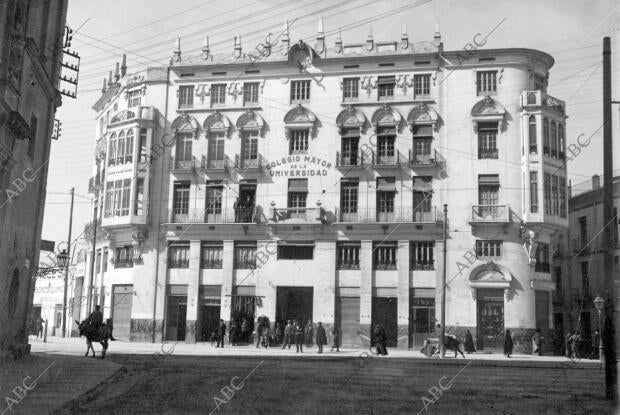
[
  {"x": 469, "y": 343},
  {"x": 508, "y": 344}
]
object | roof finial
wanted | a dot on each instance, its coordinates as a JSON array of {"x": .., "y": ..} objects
[
  {"x": 205, "y": 49},
  {"x": 319, "y": 46},
  {"x": 437, "y": 37},
  {"x": 237, "y": 46},
  {"x": 370, "y": 40},
  {"x": 338, "y": 46},
  {"x": 110, "y": 78},
  {"x": 105, "y": 88},
  {"x": 404, "y": 38},
  {"x": 124, "y": 65},
  {"x": 286, "y": 40},
  {"x": 176, "y": 53},
  {"x": 117, "y": 74}
]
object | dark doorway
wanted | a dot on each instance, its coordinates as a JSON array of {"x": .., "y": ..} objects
[
  {"x": 209, "y": 320},
  {"x": 421, "y": 321},
  {"x": 244, "y": 209},
  {"x": 490, "y": 303},
  {"x": 348, "y": 320},
  {"x": 243, "y": 313},
  {"x": 175, "y": 322},
  {"x": 585, "y": 330},
  {"x": 384, "y": 312},
  {"x": 558, "y": 334},
  {"x": 294, "y": 303}
]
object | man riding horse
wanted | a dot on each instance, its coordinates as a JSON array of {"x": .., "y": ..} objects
[{"x": 94, "y": 330}]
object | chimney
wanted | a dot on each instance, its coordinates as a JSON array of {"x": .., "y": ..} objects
[
  {"x": 176, "y": 53},
  {"x": 370, "y": 42},
  {"x": 286, "y": 41},
  {"x": 404, "y": 38},
  {"x": 117, "y": 74},
  {"x": 105, "y": 87},
  {"x": 124, "y": 65},
  {"x": 338, "y": 45},
  {"x": 205, "y": 49},
  {"x": 437, "y": 37},
  {"x": 319, "y": 46},
  {"x": 596, "y": 182},
  {"x": 237, "y": 46}
]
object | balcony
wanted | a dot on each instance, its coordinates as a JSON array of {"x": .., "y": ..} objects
[
  {"x": 541, "y": 99},
  {"x": 250, "y": 164},
  {"x": 422, "y": 160},
  {"x": 349, "y": 161},
  {"x": 386, "y": 161},
  {"x": 211, "y": 264},
  {"x": 95, "y": 183},
  {"x": 180, "y": 165},
  {"x": 422, "y": 266},
  {"x": 490, "y": 214},
  {"x": 100, "y": 149},
  {"x": 211, "y": 215},
  {"x": 580, "y": 246},
  {"x": 374, "y": 215},
  {"x": 491, "y": 153},
  {"x": 123, "y": 263},
  {"x": 215, "y": 164},
  {"x": 295, "y": 215}
]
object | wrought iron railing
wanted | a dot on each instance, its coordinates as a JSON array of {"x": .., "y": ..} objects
[{"x": 490, "y": 213}]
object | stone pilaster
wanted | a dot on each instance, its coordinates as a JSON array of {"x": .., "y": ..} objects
[
  {"x": 193, "y": 292},
  {"x": 227, "y": 280},
  {"x": 365, "y": 291},
  {"x": 403, "y": 295},
  {"x": 324, "y": 297}
]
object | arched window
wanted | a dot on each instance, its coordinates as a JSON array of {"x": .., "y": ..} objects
[
  {"x": 112, "y": 152},
  {"x": 561, "y": 142},
  {"x": 545, "y": 136},
  {"x": 120, "y": 148},
  {"x": 554, "y": 140},
  {"x": 129, "y": 147},
  {"x": 532, "y": 134},
  {"x": 13, "y": 294}
]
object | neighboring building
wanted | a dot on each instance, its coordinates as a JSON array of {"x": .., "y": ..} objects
[
  {"x": 31, "y": 49},
  {"x": 583, "y": 275},
  {"x": 308, "y": 183}
]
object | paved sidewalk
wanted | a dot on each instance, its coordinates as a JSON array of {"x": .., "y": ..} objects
[
  {"x": 77, "y": 347},
  {"x": 43, "y": 383}
]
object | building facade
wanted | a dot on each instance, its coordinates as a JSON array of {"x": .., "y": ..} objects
[
  {"x": 309, "y": 182},
  {"x": 31, "y": 49}
]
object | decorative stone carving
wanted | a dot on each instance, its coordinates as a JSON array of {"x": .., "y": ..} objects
[
  {"x": 216, "y": 122},
  {"x": 185, "y": 122},
  {"x": 123, "y": 116},
  {"x": 250, "y": 121},
  {"x": 234, "y": 90},
  {"x": 402, "y": 83},
  {"x": 350, "y": 117},
  {"x": 369, "y": 83},
  {"x": 203, "y": 91}
]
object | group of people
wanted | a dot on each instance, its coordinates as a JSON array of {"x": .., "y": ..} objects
[
  {"x": 537, "y": 342},
  {"x": 576, "y": 346}
]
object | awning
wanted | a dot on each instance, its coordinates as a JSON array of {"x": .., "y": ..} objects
[
  {"x": 210, "y": 292},
  {"x": 423, "y": 184},
  {"x": 422, "y": 130},
  {"x": 423, "y": 292},
  {"x": 245, "y": 290},
  {"x": 386, "y": 80},
  {"x": 386, "y": 131},
  {"x": 295, "y": 243},
  {"x": 488, "y": 179},
  {"x": 177, "y": 289},
  {"x": 298, "y": 185},
  {"x": 386, "y": 184},
  {"x": 350, "y": 132}
]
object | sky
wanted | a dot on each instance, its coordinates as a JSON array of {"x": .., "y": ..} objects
[{"x": 570, "y": 31}]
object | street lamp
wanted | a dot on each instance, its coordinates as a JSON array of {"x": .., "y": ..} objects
[
  {"x": 598, "y": 304},
  {"x": 63, "y": 259}
]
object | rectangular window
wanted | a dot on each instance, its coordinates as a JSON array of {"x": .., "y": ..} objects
[
  {"x": 583, "y": 232},
  {"x": 211, "y": 255},
  {"x": 421, "y": 256},
  {"x": 98, "y": 262},
  {"x": 534, "y": 191},
  {"x": 245, "y": 255},
  {"x": 126, "y": 197},
  {"x": 215, "y": 154},
  {"x": 349, "y": 147},
  {"x": 215, "y": 190},
  {"x": 249, "y": 149},
  {"x": 348, "y": 255},
  {"x": 180, "y": 202},
  {"x": 349, "y": 190},
  {"x": 143, "y": 153},
  {"x": 488, "y": 249},
  {"x": 297, "y": 195},
  {"x": 562, "y": 197},
  {"x": 298, "y": 143},
  {"x": 546, "y": 149},
  {"x": 386, "y": 146},
  {"x": 133, "y": 98},
  {"x": 32, "y": 143},
  {"x": 350, "y": 89},
  {"x": 218, "y": 94},
  {"x": 487, "y": 141},
  {"x": 555, "y": 195},
  {"x": 542, "y": 258},
  {"x": 250, "y": 93},
  {"x": 557, "y": 276},
  {"x": 486, "y": 82},
  {"x": 547, "y": 193},
  {"x": 123, "y": 257},
  {"x": 178, "y": 255},
  {"x": 533, "y": 140},
  {"x": 421, "y": 86},
  {"x": 186, "y": 96},
  {"x": 539, "y": 83},
  {"x": 183, "y": 153},
  {"x": 139, "y": 201},
  {"x": 422, "y": 199},
  {"x": 386, "y": 191},
  {"x": 300, "y": 91},
  {"x": 296, "y": 250},
  {"x": 585, "y": 277},
  {"x": 553, "y": 131},
  {"x": 385, "y": 87},
  {"x": 105, "y": 260},
  {"x": 384, "y": 255}
]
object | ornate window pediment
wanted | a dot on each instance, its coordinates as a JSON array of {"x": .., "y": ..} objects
[
  {"x": 299, "y": 118},
  {"x": 386, "y": 116},
  {"x": 302, "y": 55},
  {"x": 216, "y": 122},
  {"x": 185, "y": 123},
  {"x": 490, "y": 275},
  {"x": 123, "y": 116},
  {"x": 250, "y": 121},
  {"x": 488, "y": 110},
  {"x": 350, "y": 117},
  {"x": 422, "y": 114}
]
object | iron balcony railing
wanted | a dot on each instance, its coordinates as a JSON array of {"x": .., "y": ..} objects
[
  {"x": 491, "y": 153},
  {"x": 214, "y": 164},
  {"x": 542, "y": 267},
  {"x": 581, "y": 246},
  {"x": 386, "y": 160},
  {"x": 123, "y": 263},
  {"x": 490, "y": 213},
  {"x": 295, "y": 215},
  {"x": 358, "y": 158},
  {"x": 178, "y": 263},
  {"x": 180, "y": 164},
  {"x": 421, "y": 159},
  {"x": 422, "y": 265},
  {"x": 370, "y": 215},
  {"x": 250, "y": 163},
  {"x": 211, "y": 263},
  {"x": 214, "y": 215}
]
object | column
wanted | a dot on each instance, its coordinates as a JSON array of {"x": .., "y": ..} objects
[
  {"x": 366, "y": 291},
  {"x": 324, "y": 297},
  {"x": 403, "y": 294},
  {"x": 227, "y": 279},
  {"x": 193, "y": 292}
]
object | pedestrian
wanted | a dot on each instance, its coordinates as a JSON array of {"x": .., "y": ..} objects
[
  {"x": 595, "y": 344},
  {"x": 309, "y": 334},
  {"x": 299, "y": 337},
  {"x": 278, "y": 332},
  {"x": 381, "y": 340},
  {"x": 469, "y": 343},
  {"x": 110, "y": 325},
  {"x": 508, "y": 344},
  {"x": 537, "y": 341},
  {"x": 575, "y": 340},
  {"x": 221, "y": 334},
  {"x": 39, "y": 326},
  {"x": 233, "y": 333},
  {"x": 567, "y": 344},
  {"x": 245, "y": 330},
  {"x": 321, "y": 336},
  {"x": 335, "y": 339},
  {"x": 288, "y": 335}
]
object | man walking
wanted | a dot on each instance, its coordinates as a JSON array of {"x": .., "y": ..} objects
[
  {"x": 299, "y": 337},
  {"x": 537, "y": 341},
  {"x": 288, "y": 335},
  {"x": 221, "y": 334},
  {"x": 335, "y": 339},
  {"x": 321, "y": 336}
]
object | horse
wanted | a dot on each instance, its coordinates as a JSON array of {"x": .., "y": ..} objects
[
  {"x": 101, "y": 335},
  {"x": 431, "y": 346}
]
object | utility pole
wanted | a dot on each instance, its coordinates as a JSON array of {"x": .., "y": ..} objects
[
  {"x": 89, "y": 286},
  {"x": 64, "y": 296},
  {"x": 442, "y": 337},
  {"x": 611, "y": 377}
]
